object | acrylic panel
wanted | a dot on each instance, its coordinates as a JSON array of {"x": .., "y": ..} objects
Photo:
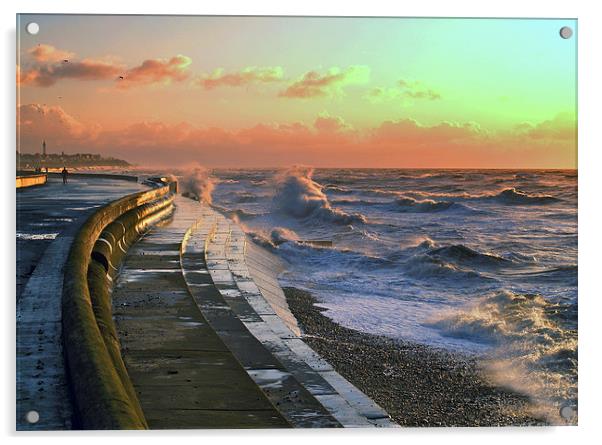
[{"x": 295, "y": 222}]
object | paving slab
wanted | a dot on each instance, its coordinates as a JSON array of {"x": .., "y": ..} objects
[{"x": 183, "y": 372}]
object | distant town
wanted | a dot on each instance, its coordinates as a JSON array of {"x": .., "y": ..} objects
[{"x": 34, "y": 161}]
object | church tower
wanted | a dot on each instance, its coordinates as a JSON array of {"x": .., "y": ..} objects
[{"x": 44, "y": 148}]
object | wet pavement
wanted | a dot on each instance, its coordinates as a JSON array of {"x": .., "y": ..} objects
[
  {"x": 209, "y": 341},
  {"x": 43, "y": 212},
  {"x": 48, "y": 218},
  {"x": 183, "y": 373}
]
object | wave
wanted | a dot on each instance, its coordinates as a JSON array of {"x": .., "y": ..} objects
[
  {"x": 379, "y": 192},
  {"x": 274, "y": 238},
  {"x": 461, "y": 254},
  {"x": 239, "y": 214},
  {"x": 507, "y": 196},
  {"x": 513, "y": 196},
  {"x": 198, "y": 183},
  {"x": 498, "y": 318},
  {"x": 410, "y": 203},
  {"x": 337, "y": 189},
  {"x": 356, "y": 202},
  {"x": 299, "y": 196},
  {"x": 446, "y": 195},
  {"x": 407, "y": 204},
  {"x": 243, "y": 197},
  {"x": 563, "y": 275},
  {"x": 532, "y": 352},
  {"x": 425, "y": 267}
]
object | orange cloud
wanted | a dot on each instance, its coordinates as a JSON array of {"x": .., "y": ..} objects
[
  {"x": 51, "y": 65},
  {"x": 243, "y": 77},
  {"x": 48, "y": 74},
  {"x": 314, "y": 84},
  {"x": 328, "y": 141},
  {"x": 37, "y": 122},
  {"x": 48, "y": 53},
  {"x": 153, "y": 71},
  {"x": 330, "y": 124},
  {"x": 410, "y": 132}
]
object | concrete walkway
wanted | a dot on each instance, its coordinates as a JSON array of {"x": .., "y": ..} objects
[
  {"x": 184, "y": 375},
  {"x": 47, "y": 220},
  {"x": 209, "y": 341},
  {"x": 265, "y": 339}
]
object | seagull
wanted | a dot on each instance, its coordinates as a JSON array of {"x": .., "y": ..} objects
[
  {"x": 121, "y": 77},
  {"x": 65, "y": 61}
]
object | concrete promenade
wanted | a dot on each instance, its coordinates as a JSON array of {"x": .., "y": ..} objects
[
  {"x": 204, "y": 327},
  {"x": 208, "y": 346},
  {"x": 47, "y": 220}
]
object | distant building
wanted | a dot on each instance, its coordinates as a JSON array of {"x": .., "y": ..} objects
[{"x": 27, "y": 161}]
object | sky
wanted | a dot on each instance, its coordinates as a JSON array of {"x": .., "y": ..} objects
[{"x": 275, "y": 91}]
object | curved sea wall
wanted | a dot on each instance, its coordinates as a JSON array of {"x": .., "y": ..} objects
[
  {"x": 102, "y": 392},
  {"x": 31, "y": 180}
]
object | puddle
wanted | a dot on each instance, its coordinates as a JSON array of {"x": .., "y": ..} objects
[
  {"x": 268, "y": 378},
  {"x": 36, "y": 236}
]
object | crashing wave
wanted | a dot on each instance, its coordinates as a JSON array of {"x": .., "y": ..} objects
[
  {"x": 298, "y": 195},
  {"x": 426, "y": 267},
  {"x": 274, "y": 238},
  {"x": 198, "y": 183},
  {"x": 532, "y": 352}
]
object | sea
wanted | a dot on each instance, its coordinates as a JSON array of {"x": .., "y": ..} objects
[{"x": 477, "y": 262}]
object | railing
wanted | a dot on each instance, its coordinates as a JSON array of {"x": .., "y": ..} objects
[{"x": 103, "y": 394}]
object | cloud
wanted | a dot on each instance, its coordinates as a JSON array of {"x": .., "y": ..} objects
[
  {"x": 325, "y": 123},
  {"x": 37, "y": 122},
  {"x": 326, "y": 141},
  {"x": 151, "y": 71},
  {"x": 314, "y": 84},
  {"x": 48, "y": 53},
  {"x": 416, "y": 90},
  {"x": 411, "y": 132},
  {"x": 562, "y": 127},
  {"x": 403, "y": 90},
  {"x": 244, "y": 77},
  {"x": 46, "y": 75},
  {"x": 50, "y": 65}
]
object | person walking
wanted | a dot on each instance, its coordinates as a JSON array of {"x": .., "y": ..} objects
[{"x": 64, "y": 173}]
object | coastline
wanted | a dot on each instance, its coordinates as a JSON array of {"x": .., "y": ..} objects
[{"x": 416, "y": 384}]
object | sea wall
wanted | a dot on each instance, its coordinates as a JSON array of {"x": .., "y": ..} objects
[
  {"x": 96, "y": 175},
  {"x": 76, "y": 174},
  {"x": 31, "y": 180},
  {"x": 103, "y": 395}
]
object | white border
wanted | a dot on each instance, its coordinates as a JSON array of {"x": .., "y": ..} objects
[{"x": 590, "y": 201}]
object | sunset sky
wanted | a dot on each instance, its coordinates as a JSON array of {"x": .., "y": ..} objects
[{"x": 275, "y": 91}]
